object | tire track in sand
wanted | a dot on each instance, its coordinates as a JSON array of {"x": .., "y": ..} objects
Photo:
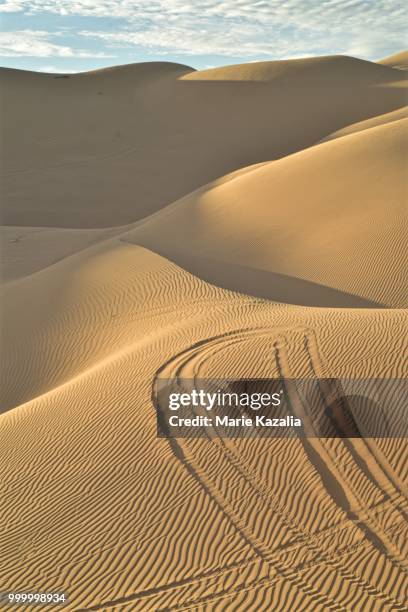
[
  {"x": 321, "y": 455},
  {"x": 176, "y": 367}
]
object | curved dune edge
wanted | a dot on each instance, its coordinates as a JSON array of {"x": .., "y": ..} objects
[
  {"x": 117, "y": 293},
  {"x": 291, "y": 219},
  {"x": 397, "y": 115},
  {"x": 27, "y": 250},
  {"x": 255, "y": 193},
  {"x": 89, "y": 306},
  {"x": 323, "y": 68},
  {"x": 398, "y": 60},
  {"x": 167, "y": 130}
]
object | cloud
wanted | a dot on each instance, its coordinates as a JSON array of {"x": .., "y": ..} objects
[
  {"x": 36, "y": 43},
  {"x": 285, "y": 12},
  {"x": 245, "y": 28},
  {"x": 242, "y": 42},
  {"x": 53, "y": 69},
  {"x": 273, "y": 28},
  {"x": 11, "y": 7}
]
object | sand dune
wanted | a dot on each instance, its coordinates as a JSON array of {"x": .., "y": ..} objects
[
  {"x": 103, "y": 523},
  {"x": 401, "y": 113},
  {"x": 261, "y": 220},
  {"x": 91, "y": 305},
  {"x": 338, "y": 69},
  {"x": 28, "y": 249},
  {"x": 129, "y": 135},
  {"x": 398, "y": 60},
  {"x": 165, "y": 223}
]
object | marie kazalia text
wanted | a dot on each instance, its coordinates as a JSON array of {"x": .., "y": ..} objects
[{"x": 254, "y": 401}]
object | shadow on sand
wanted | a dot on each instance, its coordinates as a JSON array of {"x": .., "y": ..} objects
[{"x": 265, "y": 284}]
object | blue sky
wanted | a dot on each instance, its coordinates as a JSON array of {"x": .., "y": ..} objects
[{"x": 77, "y": 35}]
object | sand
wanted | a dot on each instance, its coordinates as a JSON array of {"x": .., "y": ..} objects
[
  {"x": 398, "y": 60},
  {"x": 138, "y": 137},
  {"x": 265, "y": 220},
  {"x": 217, "y": 236}
]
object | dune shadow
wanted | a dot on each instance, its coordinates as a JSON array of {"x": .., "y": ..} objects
[{"x": 265, "y": 284}]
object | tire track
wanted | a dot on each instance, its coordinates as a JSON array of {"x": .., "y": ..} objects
[
  {"x": 177, "y": 367},
  {"x": 321, "y": 456}
]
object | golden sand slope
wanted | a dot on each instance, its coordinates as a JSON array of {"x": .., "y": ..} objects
[
  {"x": 334, "y": 214},
  {"x": 108, "y": 147},
  {"x": 398, "y": 60},
  {"x": 115, "y": 517},
  {"x": 26, "y": 249},
  {"x": 92, "y": 503},
  {"x": 86, "y": 308},
  {"x": 401, "y": 113}
]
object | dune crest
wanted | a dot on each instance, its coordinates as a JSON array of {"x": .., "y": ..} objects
[
  {"x": 401, "y": 113},
  {"x": 310, "y": 239},
  {"x": 398, "y": 60},
  {"x": 142, "y": 136}
]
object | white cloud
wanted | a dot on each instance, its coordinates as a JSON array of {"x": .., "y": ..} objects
[
  {"x": 11, "y": 7},
  {"x": 274, "y": 28},
  {"x": 241, "y": 42},
  {"x": 286, "y": 12},
  {"x": 54, "y": 70},
  {"x": 36, "y": 43}
]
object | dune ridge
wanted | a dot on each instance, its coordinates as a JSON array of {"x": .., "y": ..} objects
[
  {"x": 281, "y": 233},
  {"x": 401, "y": 113},
  {"x": 144, "y": 155},
  {"x": 398, "y": 60},
  {"x": 244, "y": 221}
]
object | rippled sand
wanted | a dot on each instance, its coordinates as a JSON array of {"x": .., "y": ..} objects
[{"x": 275, "y": 246}]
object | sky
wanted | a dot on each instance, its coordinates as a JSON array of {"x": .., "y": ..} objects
[{"x": 79, "y": 35}]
